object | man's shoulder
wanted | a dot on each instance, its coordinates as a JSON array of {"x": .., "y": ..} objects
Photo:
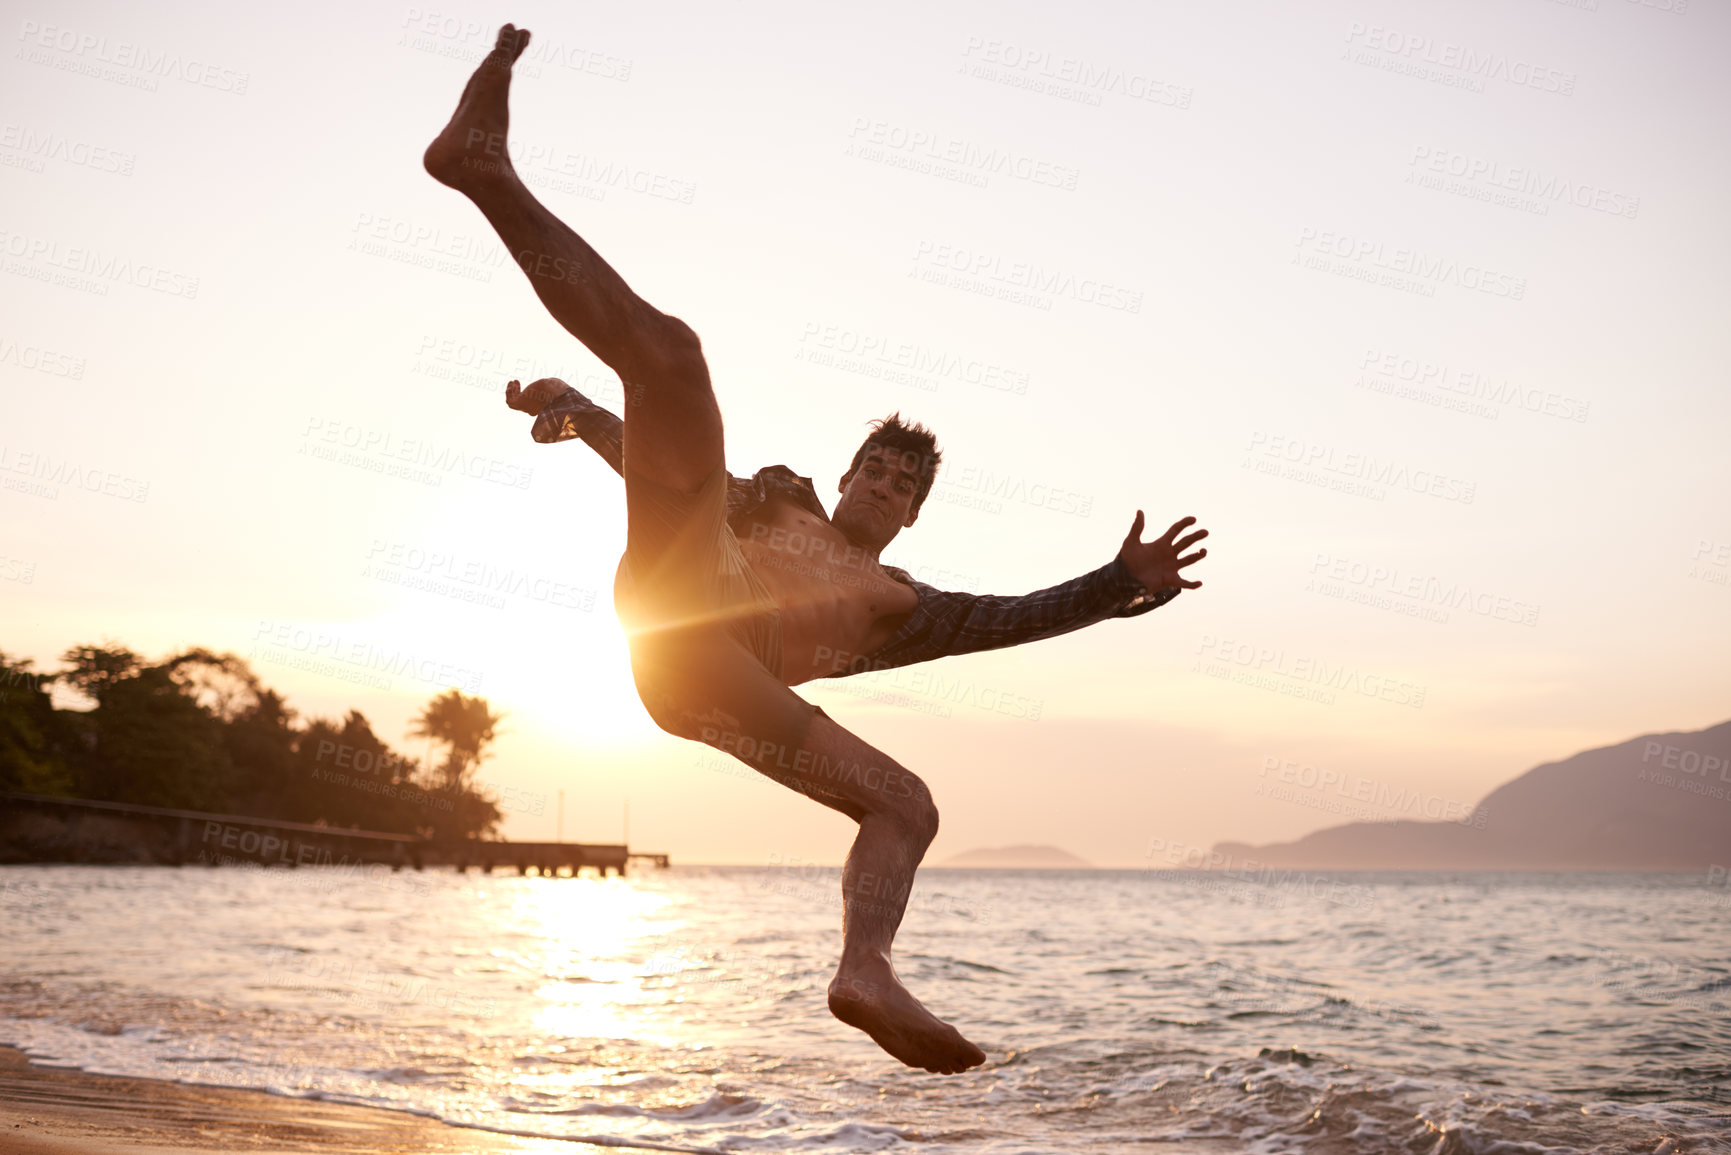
[{"x": 906, "y": 578}]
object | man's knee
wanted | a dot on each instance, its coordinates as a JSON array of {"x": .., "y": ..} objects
[
  {"x": 665, "y": 698},
  {"x": 664, "y": 710},
  {"x": 667, "y": 352},
  {"x": 678, "y": 338},
  {"x": 916, "y": 811}
]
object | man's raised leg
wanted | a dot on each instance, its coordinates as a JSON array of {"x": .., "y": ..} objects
[{"x": 672, "y": 423}]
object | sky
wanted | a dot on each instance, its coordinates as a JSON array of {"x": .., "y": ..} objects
[{"x": 1419, "y": 309}]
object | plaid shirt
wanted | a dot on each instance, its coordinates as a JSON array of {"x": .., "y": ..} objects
[{"x": 945, "y": 621}]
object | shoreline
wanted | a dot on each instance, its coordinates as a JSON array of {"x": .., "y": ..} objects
[{"x": 61, "y": 1111}]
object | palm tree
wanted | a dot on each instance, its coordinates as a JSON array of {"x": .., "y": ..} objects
[{"x": 466, "y": 725}]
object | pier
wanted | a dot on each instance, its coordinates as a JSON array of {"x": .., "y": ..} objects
[{"x": 41, "y": 828}]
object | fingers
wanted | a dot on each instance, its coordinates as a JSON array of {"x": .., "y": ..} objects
[
  {"x": 1189, "y": 540},
  {"x": 1134, "y": 537},
  {"x": 1191, "y": 560},
  {"x": 1176, "y": 527}
]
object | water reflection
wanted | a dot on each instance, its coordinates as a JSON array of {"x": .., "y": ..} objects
[{"x": 584, "y": 955}]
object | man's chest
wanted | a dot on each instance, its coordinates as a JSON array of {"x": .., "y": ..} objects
[{"x": 813, "y": 569}]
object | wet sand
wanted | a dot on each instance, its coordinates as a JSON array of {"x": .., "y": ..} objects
[{"x": 48, "y": 1111}]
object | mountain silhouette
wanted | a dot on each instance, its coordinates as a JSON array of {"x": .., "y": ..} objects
[{"x": 1657, "y": 802}]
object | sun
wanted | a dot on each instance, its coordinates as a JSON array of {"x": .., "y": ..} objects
[{"x": 579, "y": 687}]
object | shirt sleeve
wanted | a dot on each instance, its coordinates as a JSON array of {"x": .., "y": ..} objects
[
  {"x": 949, "y": 622},
  {"x": 573, "y": 415}
]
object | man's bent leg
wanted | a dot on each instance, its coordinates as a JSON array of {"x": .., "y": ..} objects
[
  {"x": 704, "y": 686},
  {"x": 672, "y": 422}
]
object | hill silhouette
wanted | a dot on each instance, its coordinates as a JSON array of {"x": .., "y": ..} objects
[
  {"x": 1019, "y": 857},
  {"x": 1657, "y": 802}
]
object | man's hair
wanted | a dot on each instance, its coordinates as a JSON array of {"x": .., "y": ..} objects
[{"x": 891, "y": 436}]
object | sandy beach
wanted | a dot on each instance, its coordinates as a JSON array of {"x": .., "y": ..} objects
[{"x": 48, "y": 1111}]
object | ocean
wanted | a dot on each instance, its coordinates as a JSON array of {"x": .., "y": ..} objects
[{"x": 1121, "y": 1010}]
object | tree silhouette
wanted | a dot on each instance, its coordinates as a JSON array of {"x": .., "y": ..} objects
[
  {"x": 222, "y": 683},
  {"x": 97, "y": 669},
  {"x": 466, "y": 726},
  {"x": 30, "y": 758},
  {"x": 200, "y": 731}
]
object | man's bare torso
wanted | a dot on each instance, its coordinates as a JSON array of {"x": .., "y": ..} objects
[{"x": 837, "y": 603}]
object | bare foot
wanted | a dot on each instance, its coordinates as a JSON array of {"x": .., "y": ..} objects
[
  {"x": 871, "y": 998},
  {"x": 470, "y": 152}
]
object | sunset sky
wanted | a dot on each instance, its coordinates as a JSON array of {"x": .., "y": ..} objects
[{"x": 1420, "y": 309}]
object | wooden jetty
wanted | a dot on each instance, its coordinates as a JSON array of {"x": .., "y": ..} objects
[
  {"x": 547, "y": 858},
  {"x": 41, "y": 828}
]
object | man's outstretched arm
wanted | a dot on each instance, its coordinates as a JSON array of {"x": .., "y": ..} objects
[{"x": 1143, "y": 577}]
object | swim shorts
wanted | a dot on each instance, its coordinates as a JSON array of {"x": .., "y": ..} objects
[{"x": 684, "y": 573}]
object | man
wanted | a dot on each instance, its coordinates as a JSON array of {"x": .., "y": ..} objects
[{"x": 732, "y": 591}]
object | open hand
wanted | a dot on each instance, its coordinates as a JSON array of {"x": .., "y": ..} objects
[
  {"x": 1156, "y": 563},
  {"x": 535, "y": 398}
]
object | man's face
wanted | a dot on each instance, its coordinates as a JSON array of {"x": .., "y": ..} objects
[{"x": 877, "y": 498}]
